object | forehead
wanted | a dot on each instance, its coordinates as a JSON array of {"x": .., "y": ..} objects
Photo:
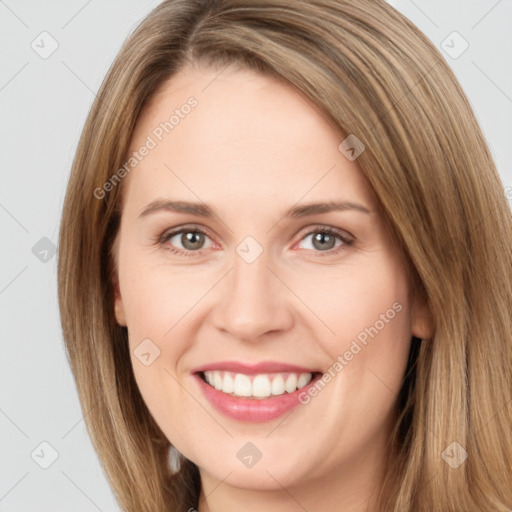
[{"x": 222, "y": 134}]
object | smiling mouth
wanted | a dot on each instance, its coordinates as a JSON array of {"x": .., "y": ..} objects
[{"x": 259, "y": 386}]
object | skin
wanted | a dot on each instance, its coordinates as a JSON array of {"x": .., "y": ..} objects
[{"x": 252, "y": 148}]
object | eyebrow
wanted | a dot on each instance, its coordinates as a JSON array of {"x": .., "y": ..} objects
[{"x": 203, "y": 210}]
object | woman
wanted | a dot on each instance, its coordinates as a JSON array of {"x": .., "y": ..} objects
[{"x": 285, "y": 262}]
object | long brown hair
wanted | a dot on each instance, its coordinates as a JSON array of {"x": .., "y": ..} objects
[{"x": 374, "y": 75}]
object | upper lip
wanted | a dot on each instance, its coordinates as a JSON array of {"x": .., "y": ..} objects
[{"x": 253, "y": 369}]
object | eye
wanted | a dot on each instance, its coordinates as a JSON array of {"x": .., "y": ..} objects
[
  {"x": 323, "y": 239},
  {"x": 191, "y": 239}
]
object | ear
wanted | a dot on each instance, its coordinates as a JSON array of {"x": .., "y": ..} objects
[
  {"x": 118, "y": 302},
  {"x": 422, "y": 323}
]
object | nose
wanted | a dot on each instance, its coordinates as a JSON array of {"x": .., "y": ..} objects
[{"x": 254, "y": 301}]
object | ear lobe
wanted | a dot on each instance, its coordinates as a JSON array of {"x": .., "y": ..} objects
[
  {"x": 422, "y": 323},
  {"x": 118, "y": 304}
]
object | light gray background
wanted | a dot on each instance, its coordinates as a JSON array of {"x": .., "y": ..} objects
[{"x": 43, "y": 105}]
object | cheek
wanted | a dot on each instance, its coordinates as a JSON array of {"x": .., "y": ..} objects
[
  {"x": 356, "y": 298},
  {"x": 157, "y": 297},
  {"x": 156, "y": 302},
  {"x": 366, "y": 330}
]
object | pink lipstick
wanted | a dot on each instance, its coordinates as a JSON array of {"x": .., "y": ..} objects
[{"x": 249, "y": 408}]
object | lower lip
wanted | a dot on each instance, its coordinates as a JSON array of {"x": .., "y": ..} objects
[{"x": 249, "y": 409}]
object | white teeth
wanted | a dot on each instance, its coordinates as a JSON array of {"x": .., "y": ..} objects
[
  {"x": 217, "y": 381},
  {"x": 278, "y": 385},
  {"x": 303, "y": 380},
  {"x": 209, "y": 377},
  {"x": 291, "y": 383},
  {"x": 242, "y": 385},
  {"x": 261, "y": 386},
  {"x": 228, "y": 383},
  {"x": 258, "y": 386}
]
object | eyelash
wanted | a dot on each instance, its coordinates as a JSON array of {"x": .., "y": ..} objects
[{"x": 166, "y": 236}]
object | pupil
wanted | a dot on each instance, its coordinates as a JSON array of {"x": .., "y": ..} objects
[
  {"x": 323, "y": 240},
  {"x": 193, "y": 239}
]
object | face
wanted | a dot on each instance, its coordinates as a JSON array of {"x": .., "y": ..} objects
[{"x": 299, "y": 316}]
